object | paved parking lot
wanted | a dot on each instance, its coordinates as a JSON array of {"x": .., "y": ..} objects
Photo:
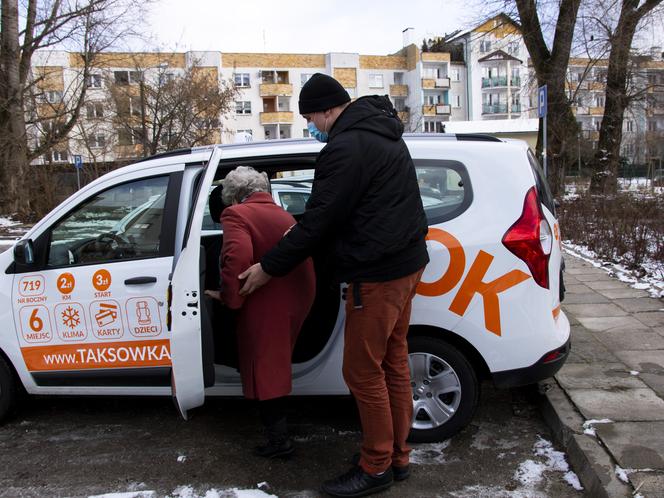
[{"x": 82, "y": 447}]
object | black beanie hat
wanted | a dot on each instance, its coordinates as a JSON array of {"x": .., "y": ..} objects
[{"x": 320, "y": 93}]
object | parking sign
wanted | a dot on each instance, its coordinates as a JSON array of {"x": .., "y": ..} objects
[
  {"x": 78, "y": 162},
  {"x": 541, "y": 102}
]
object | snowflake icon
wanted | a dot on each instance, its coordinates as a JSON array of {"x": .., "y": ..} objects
[{"x": 70, "y": 317}]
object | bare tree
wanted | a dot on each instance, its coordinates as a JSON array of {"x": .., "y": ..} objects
[
  {"x": 619, "y": 21},
  {"x": 85, "y": 27},
  {"x": 169, "y": 108}
]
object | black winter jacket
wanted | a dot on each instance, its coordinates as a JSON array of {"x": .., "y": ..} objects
[{"x": 365, "y": 201}]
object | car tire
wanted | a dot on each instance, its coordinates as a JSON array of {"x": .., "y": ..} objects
[
  {"x": 452, "y": 390},
  {"x": 8, "y": 391}
]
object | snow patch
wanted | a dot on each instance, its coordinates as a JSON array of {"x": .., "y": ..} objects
[
  {"x": 429, "y": 454},
  {"x": 8, "y": 222},
  {"x": 531, "y": 472},
  {"x": 129, "y": 494},
  {"x": 622, "y": 474},
  {"x": 634, "y": 372},
  {"x": 652, "y": 282},
  {"x": 182, "y": 458},
  {"x": 189, "y": 492}
]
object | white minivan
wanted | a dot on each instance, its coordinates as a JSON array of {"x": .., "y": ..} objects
[{"x": 104, "y": 296}]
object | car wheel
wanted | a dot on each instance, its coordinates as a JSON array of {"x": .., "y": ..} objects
[
  {"x": 7, "y": 390},
  {"x": 445, "y": 389}
]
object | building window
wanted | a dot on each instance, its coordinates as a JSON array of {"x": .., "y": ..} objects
[
  {"x": 165, "y": 78},
  {"x": 599, "y": 100},
  {"x": 94, "y": 110},
  {"x": 243, "y": 107},
  {"x": 456, "y": 99},
  {"x": 629, "y": 125},
  {"x": 56, "y": 156},
  {"x": 652, "y": 125},
  {"x": 434, "y": 127},
  {"x": 398, "y": 79},
  {"x": 53, "y": 97},
  {"x": 598, "y": 125},
  {"x": 242, "y": 80},
  {"x": 351, "y": 92},
  {"x": 93, "y": 81},
  {"x": 455, "y": 75},
  {"x": 400, "y": 104},
  {"x": 127, "y": 77},
  {"x": 129, "y": 137},
  {"x": 305, "y": 133},
  {"x": 513, "y": 48},
  {"x": 375, "y": 81},
  {"x": 283, "y": 104},
  {"x": 304, "y": 77},
  {"x": 135, "y": 106},
  {"x": 485, "y": 46},
  {"x": 97, "y": 141}
]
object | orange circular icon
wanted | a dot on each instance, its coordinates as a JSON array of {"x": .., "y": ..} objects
[
  {"x": 101, "y": 280},
  {"x": 66, "y": 283}
]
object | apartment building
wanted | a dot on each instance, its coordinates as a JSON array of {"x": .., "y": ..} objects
[{"x": 490, "y": 80}]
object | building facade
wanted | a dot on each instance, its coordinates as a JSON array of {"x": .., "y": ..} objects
[{"x": 492, "y": 81}]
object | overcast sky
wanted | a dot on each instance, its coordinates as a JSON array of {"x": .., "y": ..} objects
[
  {"x": 315, "y": 26},
  {"x": 301, "y": 26}
]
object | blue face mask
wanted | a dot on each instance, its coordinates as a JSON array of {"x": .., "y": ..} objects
[{"x": 321, "y": 136}]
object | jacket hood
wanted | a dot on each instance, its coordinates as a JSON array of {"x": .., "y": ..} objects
[{"x": 373, "y": 113}]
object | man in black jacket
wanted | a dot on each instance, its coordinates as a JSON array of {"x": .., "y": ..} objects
[{"x": 365, "y": 203}]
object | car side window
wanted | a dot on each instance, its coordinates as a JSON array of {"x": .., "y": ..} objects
[
  {"x": 294, "y": 202},
  {"x": 123, "y": 222},
  {"x": 444, "y": 188}
]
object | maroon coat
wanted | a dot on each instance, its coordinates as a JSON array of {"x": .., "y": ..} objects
[{"x": 270, "y": 318}]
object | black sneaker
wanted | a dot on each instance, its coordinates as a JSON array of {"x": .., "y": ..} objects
[
  {"x": 398, "y": 473},
  {"x": 356, "y": 482},
  {"x": 274, "y": 449}
]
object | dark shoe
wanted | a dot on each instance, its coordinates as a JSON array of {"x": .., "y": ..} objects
[
  {"x": 275, "y": 449},
  {"x": 399, "y": 473},
  {"x": 356, "y": 482}
]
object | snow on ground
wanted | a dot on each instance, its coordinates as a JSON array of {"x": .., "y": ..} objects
[
  {"x": 589, "y": 425},
  {"x": 8, "y": 222},
  {"x": 652, "y": 282},
  {"x": 531, "y": 472},
  {"x": 428, "y": 454}
]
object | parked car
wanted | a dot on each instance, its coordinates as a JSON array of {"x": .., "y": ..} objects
[{"x": 104, "y": 295}]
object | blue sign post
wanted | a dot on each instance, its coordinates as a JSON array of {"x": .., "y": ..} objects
[
  {"x": 78, "y": 164},
  {"x": 542, "y": 99}
]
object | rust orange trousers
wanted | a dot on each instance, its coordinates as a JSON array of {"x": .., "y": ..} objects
[{"x": 375, "y": 367}]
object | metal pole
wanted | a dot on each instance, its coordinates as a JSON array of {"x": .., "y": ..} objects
[
  {"x": 78, "y": 177},
  {"x": 578, "y": 143},
  {"x": 544, "y": 151}
]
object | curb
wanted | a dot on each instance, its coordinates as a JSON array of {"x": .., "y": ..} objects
[{"x": 587, "y": 456}]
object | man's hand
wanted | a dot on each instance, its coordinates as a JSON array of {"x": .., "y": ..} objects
[{"x": 254, "y": 278}]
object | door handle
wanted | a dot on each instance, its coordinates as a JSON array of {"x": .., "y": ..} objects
[{"x": 140, "y": 280}]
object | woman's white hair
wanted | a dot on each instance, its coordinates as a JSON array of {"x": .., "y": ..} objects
[{"x": 242, "y": 182}]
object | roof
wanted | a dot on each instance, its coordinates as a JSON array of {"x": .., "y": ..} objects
[
  {"x": 493, "y": 126},
  {"x": 506, "y": 20},
  {"x": 499, "y": 55}
]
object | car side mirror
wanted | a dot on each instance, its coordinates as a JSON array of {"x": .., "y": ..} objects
[{"x": 24, "y": 252}]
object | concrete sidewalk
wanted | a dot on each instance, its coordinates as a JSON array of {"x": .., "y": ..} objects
[{"x": 614, "y": 374}]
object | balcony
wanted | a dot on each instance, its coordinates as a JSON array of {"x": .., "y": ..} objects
[
  {"x": 399, "y": 90},
  {"x": 497, "y": 81},
  {"x": 442, "y": 82},
  {"x": 404, "y": 116},
  {"x": 276, "y": 89},
  {"x": 596, "y": 111},
  {"x": 494, "y": 108},
  {"x": 516, "y": 108},
  {"x": 580, "y": 110},
  {"x": 428, "y": 83},
  {"x": 443, "y": 109},
  {"x": 276, "y": 117},
  {"x": 516, "y": 81}
]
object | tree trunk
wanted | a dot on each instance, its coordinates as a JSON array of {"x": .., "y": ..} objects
[
  {"x": 607, "y": 157},
  {"x": 13, "y": 158}
]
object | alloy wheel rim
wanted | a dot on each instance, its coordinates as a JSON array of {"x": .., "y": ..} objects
[{"x": 436, "y": 390}]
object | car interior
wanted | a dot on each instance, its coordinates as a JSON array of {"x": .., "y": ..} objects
[{"x": 218, "y": 323}]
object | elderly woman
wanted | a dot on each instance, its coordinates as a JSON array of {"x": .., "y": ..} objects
[{"x": 270, "y": 319}]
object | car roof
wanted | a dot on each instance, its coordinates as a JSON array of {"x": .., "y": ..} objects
[{"x": 200, "y": 155}]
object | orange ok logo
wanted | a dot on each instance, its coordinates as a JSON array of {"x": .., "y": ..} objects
[{"x": 473, "y": 283}]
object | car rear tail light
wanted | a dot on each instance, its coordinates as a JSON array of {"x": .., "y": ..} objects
[{"x": 530, "y": 239}]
